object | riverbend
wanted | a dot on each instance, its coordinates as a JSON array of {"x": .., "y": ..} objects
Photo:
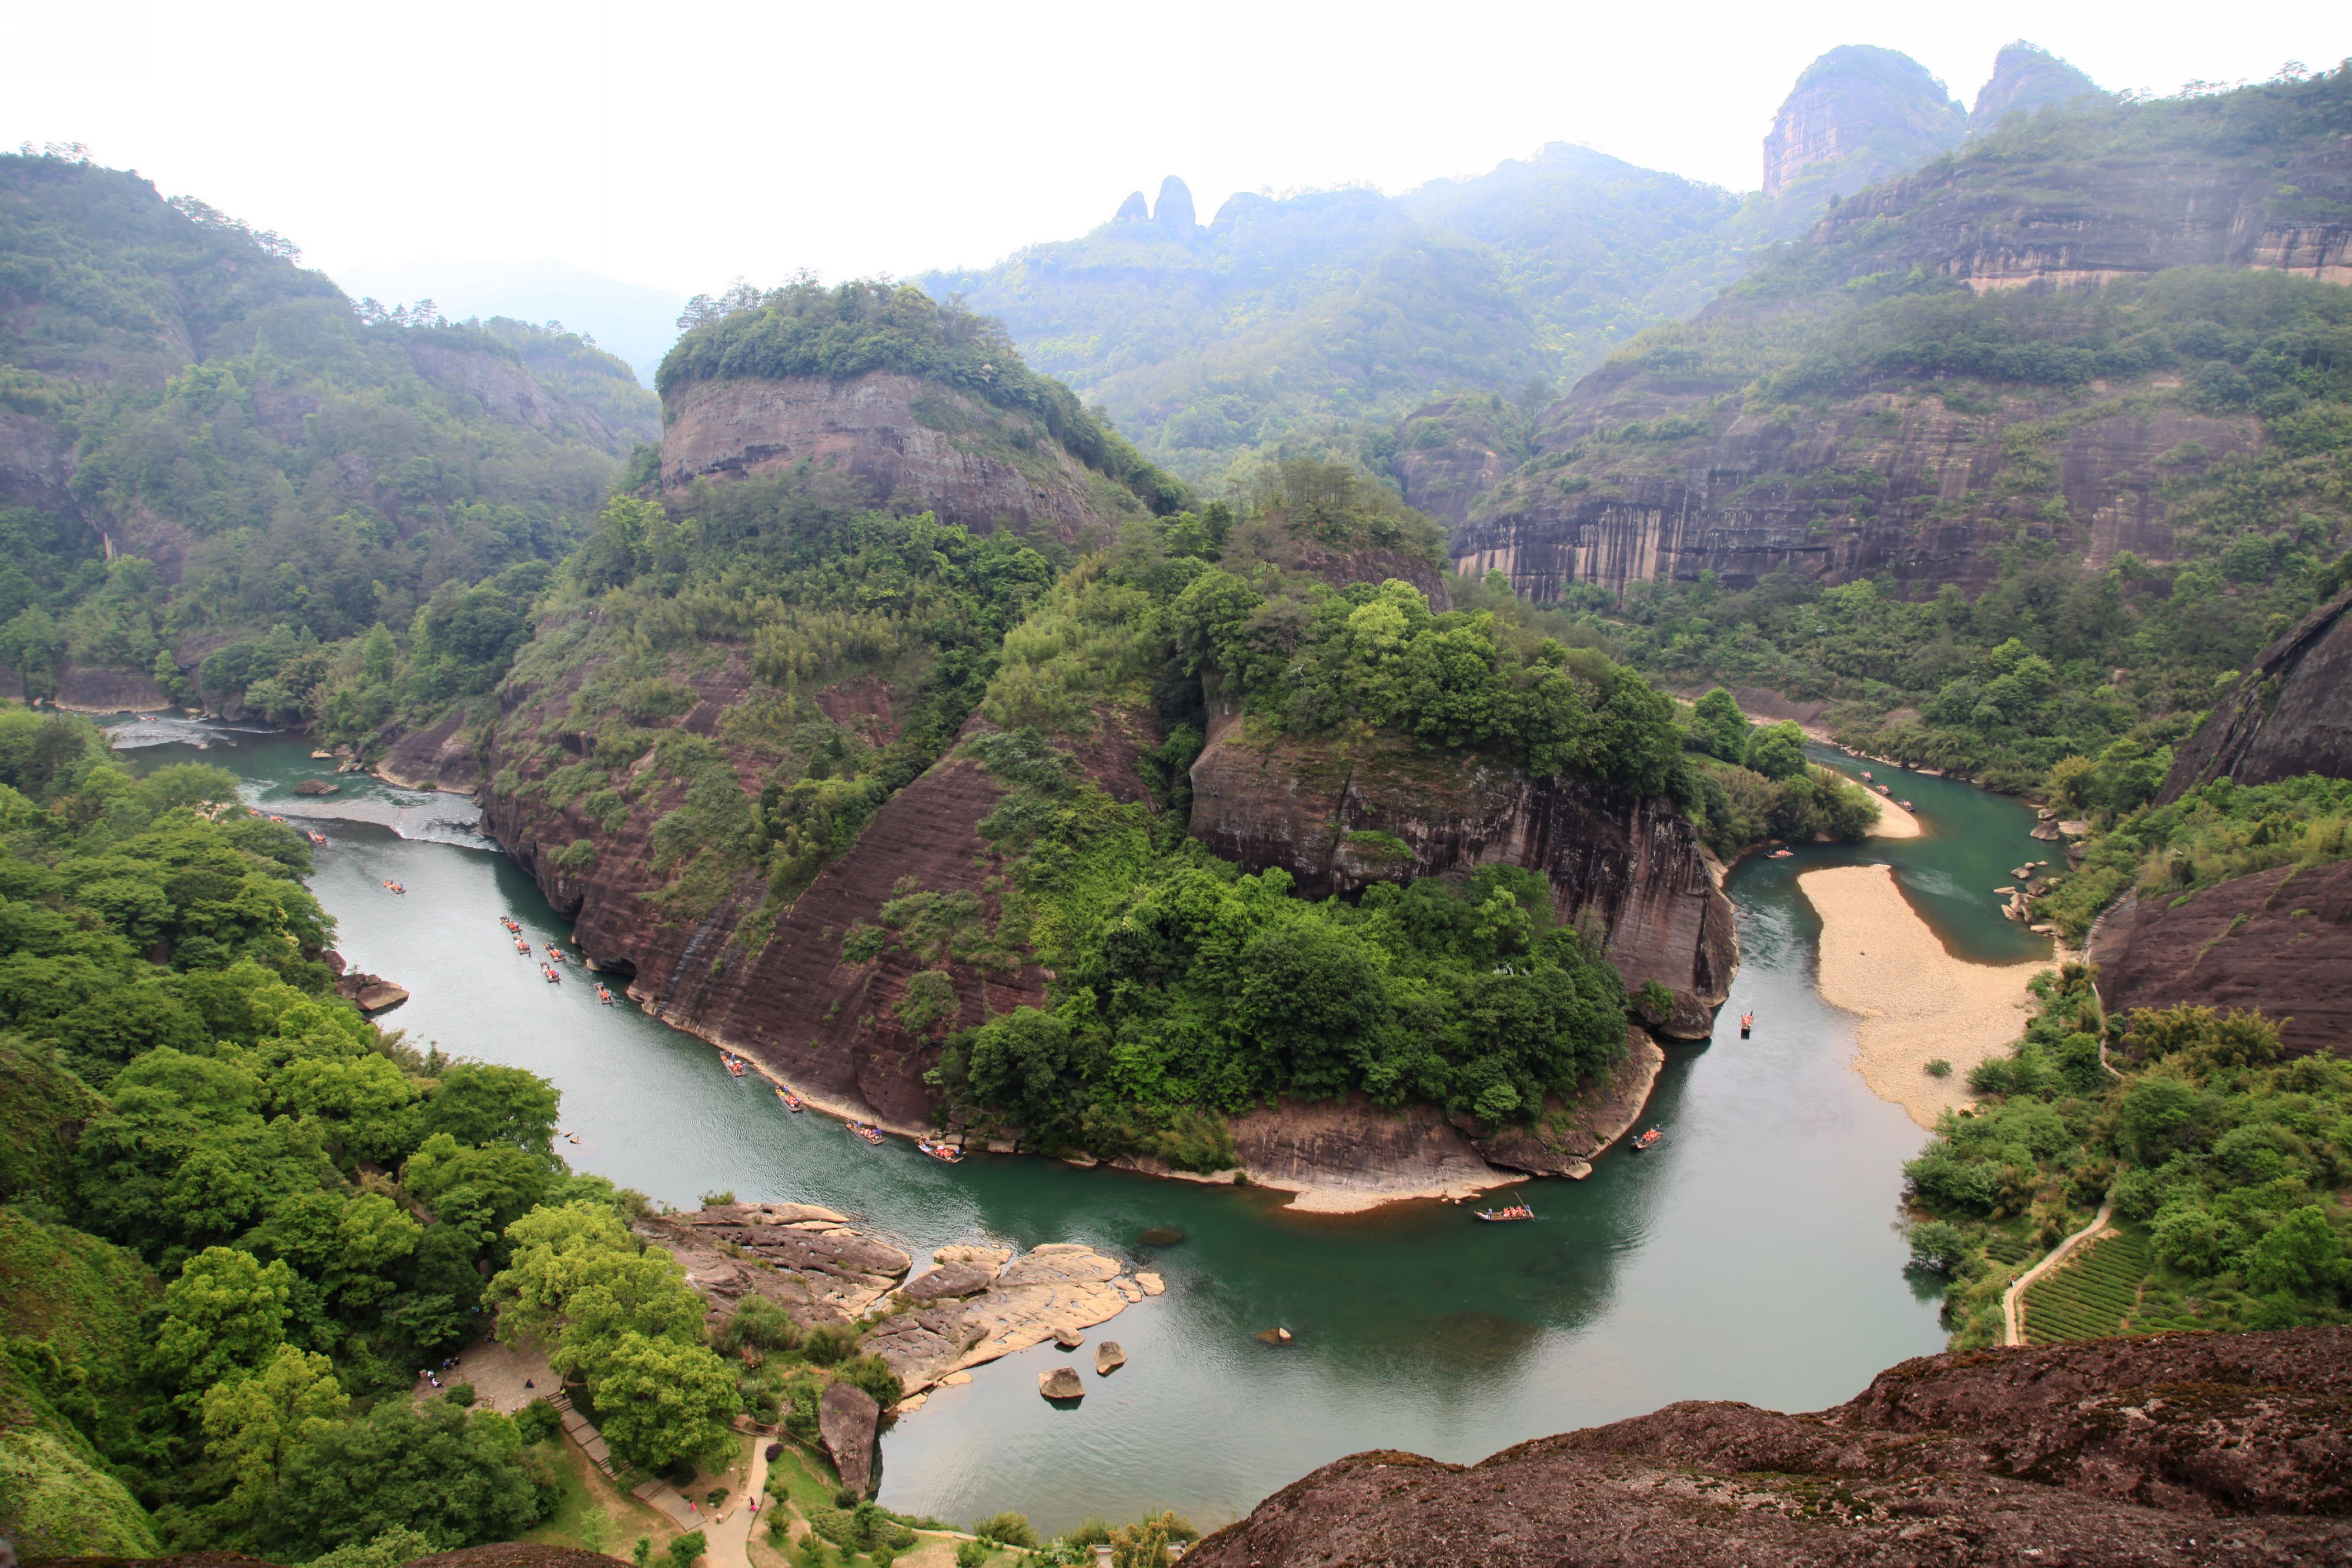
[{"x": 1753, "y": 1254}]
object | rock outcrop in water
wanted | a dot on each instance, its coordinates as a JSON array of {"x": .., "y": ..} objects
[
  {"x": 2183, "y": 1449},
  {"x": 977, "y": 1303}
]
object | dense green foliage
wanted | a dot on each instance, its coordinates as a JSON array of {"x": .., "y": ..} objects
[
  {"x": 622, "y": 1320},
  {"x": 805, "y": 595},
  {"x": 806, "y": 330},
  {"x": 238, "y": 1217},
  {"x": 2206, "y": 836},
  {"x": 1201, "y": 989},
  {"x": 1184, "y": 987},
  {"x": 304, "y": 468},
  {"x": 2049, "y": 661},
  {"x": 2225, "y": 1157}
]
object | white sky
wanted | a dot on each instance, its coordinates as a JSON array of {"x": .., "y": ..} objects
[{"x": 680, "y": 145}]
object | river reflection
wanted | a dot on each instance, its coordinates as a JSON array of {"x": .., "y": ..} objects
[{"x": 1753, "y": 1255}]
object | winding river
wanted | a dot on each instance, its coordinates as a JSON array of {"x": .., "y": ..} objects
[{"x": 1752, "y": 1255}]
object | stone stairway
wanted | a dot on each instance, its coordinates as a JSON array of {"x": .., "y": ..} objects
[{"x": 659, "y": 1493}]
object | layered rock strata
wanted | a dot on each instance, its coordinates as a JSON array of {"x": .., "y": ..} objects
[
  {"x": 1340, "y": 818},
  {"x": 2182, "y": 1448},
  {"x": 1876, "y": 483},
  {"x": 908, "y": 444},
  {"x": 981, "y": 1303}
]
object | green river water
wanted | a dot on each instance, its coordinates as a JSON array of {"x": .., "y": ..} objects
[{"x": 1753, "y": 1255}]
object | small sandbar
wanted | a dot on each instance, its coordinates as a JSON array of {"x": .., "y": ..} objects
[
  {"x": 1894, "y": 822},
  {"x": 1883, "y": 962}
]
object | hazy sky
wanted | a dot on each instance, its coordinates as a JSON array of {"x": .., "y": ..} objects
[{"x": 680, "y": 145}]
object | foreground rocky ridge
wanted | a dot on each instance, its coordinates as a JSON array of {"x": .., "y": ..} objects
[{"x": 2185, "y": 1449}]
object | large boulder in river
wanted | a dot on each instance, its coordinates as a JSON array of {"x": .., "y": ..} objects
[
  {"x": 845, "y": 1421},
  {"x": 317, "y": 787},
  {"x": 1062, "y": 1382},
  {"x": 369, "y": 993},
  {"x": 1108, "y": 1358}
]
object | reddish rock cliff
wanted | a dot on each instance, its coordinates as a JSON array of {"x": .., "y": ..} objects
[
  {"x": 1334, "y": 816},
  {"x": 2291, "y": 714},
  {"x": 2280, "y": 942},
  {"x": 2184, "y": 1448},
  {"x": 912, "y": 445},
  {"x": 1859, "y": 114}
]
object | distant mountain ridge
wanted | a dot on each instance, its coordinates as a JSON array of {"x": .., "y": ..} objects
[{"x": 1322, "y": 319}]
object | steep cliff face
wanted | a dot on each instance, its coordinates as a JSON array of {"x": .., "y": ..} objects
[
  {"x": 912, "y": 445},
  {"x": 1881, "y": 482},
  {"x": 2279, "y": 942},
  {"x": 1339, "y": 817},
  {"x": 1859, "y": 114},
  {"x": 2291, "y": 714},
  {"x": 1990, "y": 224},
  {"x": 2026, "y": 77},
  {"x": 785, "y": 996},
  {"x": 1715, "y": 445},
  {"x": 2182, "y": 1449}
]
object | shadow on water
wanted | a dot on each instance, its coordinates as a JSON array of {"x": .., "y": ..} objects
[{"x": 1752, "y": 1255}]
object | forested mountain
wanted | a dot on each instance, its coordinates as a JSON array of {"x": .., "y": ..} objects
[
  {"x": 1321, "y": 318},
  {"x": 2076, "y": 392},
  {"x": 211, "y": 461}
]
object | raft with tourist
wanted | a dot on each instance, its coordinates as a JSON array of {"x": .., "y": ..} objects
[
  {"x": 1506, "y": 1215},
  {"x": 871, "y": 1134},
  {"x": 792, "y": 1101},
  {"x": 1648, "y": 1140},
  {"x": 945, "y": 1153}
]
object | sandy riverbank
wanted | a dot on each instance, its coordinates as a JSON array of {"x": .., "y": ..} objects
[
  {"x": 1894, "y": 823},
  {"x": 1883, "y": 962}
]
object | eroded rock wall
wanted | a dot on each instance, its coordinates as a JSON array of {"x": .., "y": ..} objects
[
  {"x": 910, "y": 445},
  {"x": 1875, "y": 483},
  {"x": 1332, "y": 816}
]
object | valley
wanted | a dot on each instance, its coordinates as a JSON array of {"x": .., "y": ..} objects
[{"x": 1268, "y": 736}]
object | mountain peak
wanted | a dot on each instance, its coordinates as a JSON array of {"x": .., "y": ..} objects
[
  {"x": 1868, "y": 111},
  {"x": 2026, "y": 77},
  {"x": 1132, "y": 210},
  {"x": 1173, "y": 211}
]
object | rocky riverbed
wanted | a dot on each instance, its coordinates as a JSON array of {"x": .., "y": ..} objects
[{"x": 975, "y": 1303}]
